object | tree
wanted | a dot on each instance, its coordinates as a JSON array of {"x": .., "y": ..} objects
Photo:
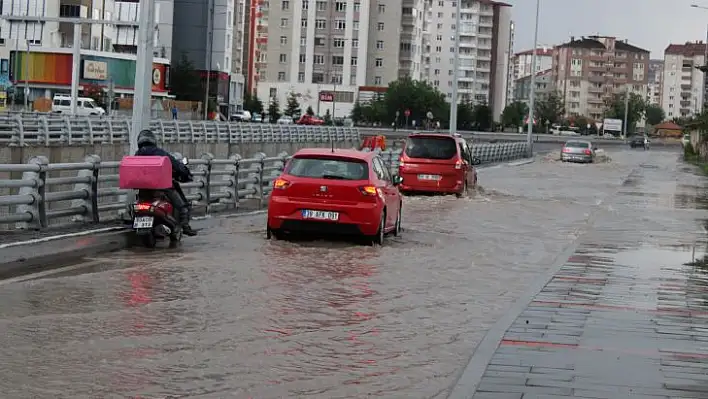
[
  {"x": 514, "y": 114},
  {"x": 310, "y": 111},
  {"x": 252, "y": 103},
  {"x": 615, "y": 109},
  {"x": 274, "y": 110},
  {"x": 328, "y": 118},
  {"x": 185, "y": 81},
  {"x": 550, "y": 110},
  {"x": 654, "y": 114},
  {"x": 417, "y": 96},
  {"x": 94, "y": 92},
  {"x": 292, "y": 108},
  {"x": 357, "y": 113},
  {"x": 465, "y": 116},
  {"x": 482, "y": 117}
]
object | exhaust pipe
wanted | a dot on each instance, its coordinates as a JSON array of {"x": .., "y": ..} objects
[{"x": 163, "y": 230}]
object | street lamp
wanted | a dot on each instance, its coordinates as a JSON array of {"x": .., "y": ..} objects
[{"x": 532, "y": 96}]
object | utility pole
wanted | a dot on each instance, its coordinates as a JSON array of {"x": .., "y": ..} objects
[
  {"x": 532, "y": 96},
  {"x": 626, "y": 112},
  {"x": 27, "y": 89},
  {"x": 207, "y": 63},
  {"x": 456, "y": 70}
]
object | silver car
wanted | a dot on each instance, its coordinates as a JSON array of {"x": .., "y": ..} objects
[{"x": 578, "y": 151}]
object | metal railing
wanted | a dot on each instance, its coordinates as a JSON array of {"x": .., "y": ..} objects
[
  {"x": 39, "y": 129},
  {"x": 40, "y": 194}
]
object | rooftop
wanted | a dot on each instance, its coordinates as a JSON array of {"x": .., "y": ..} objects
[
  {"x": 689, "y": 49},
  {"x": 594, "y": 42}
]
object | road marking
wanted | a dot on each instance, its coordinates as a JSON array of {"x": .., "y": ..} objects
[
  {"x": 46, "y": 273},
  {"x": 61, "y": 236}
]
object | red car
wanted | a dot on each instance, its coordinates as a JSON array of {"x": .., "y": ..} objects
[
  {"x": 335, "y": 191},
  {"x": 437, "y": 163},
  {"x": 309, "y": 120}
]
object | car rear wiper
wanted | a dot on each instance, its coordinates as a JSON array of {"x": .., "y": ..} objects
[{"x": 335, "y": 177}]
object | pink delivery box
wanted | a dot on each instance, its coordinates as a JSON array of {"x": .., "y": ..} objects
[{"x": 145, "y": 173}]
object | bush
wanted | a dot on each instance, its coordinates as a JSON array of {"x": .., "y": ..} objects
[{"x": 688, "y": 151}]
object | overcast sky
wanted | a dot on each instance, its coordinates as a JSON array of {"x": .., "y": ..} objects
[{"x": 649, "y": 24}]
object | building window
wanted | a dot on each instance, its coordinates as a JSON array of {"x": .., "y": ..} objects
[
  {"x": 320, "y": 23},
  {"x": 303, "y": 58},
  {"x": 321, "y": 6},
  {"x": 305, "y": 6},
  {"x": 355, "y": 25},
  {"x": 382, "y": 8},
  {"x": 379, "y": 44},
  {"x": 338, "y": 43},
  {"x": 340, "y": 6},
  {"x": 285, "y": 5},
  {"x": 379, "y": 62},
  {"x": 283, "y": 22},
  {"x": 317, "y": 77},
  {"x": 303, "y": 23},
  {"x": 319, "y": 41},
  {"x": 281, "y": 76},
  {"x": 355, "y": 43},
  {"x": 337, "y": 60},
  {"x": 355, "y": 61},
  {"x": 273, "y": 92},
  {"x": 377, "y": 80},
  {"x": 301, "y": 77},
  {"x": 318, "y": 59},
  {"x": 303, "y": 41},
  {"x": 336, "y": 79},
  {"x": 340, "y": 24},
  {"x": 283, "y": 58},
  {"x": 380, "y": 26}
]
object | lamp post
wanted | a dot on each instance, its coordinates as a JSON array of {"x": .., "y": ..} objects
[
  {"x": 456, "y": 70},
  {"x": 532, "y": 96}
]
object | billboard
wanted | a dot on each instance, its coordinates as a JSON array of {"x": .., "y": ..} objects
[{"x": 612, "y": 125}]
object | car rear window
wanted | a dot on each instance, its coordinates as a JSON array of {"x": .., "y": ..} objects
[
  {"x": 577, "y": 144},
  {"x": 431, "y": 147},
  {"x": 328, "y": 168}
]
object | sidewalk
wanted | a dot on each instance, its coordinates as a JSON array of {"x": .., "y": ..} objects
[{"x": 624, "y": 316}]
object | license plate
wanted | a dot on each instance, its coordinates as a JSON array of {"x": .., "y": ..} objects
[
  {"x": 320, "y": 215},
  {"x": 143, "y": 222},
  {"x": 429, "y": 177}
]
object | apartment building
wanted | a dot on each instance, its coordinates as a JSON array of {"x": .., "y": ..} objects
[
  {"x": 521, "y": 67},
  {"x": 41, "y": 53},
  {"x": 683, "y": 92},
  {"x": 656, "y": 68},
  {"x": 588, "y": 71},
  {"x": 544, "y": 86},
  {"x": 510, "y": 66},
  {"x": 485, "y": 44}
]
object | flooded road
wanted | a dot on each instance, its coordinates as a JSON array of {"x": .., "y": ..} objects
[{"x": 230, "y": 314}]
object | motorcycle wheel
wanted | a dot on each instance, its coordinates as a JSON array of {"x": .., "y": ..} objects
[{"x": 149, "y": 240}]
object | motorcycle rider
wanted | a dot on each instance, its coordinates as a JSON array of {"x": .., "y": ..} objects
[{"x": 147, "y": 146}]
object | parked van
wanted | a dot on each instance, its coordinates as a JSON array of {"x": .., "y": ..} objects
[
  {"x": 85, "y": 106},
  {"x": 437, "y": 163}
]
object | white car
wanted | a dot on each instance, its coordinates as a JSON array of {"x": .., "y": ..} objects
[
  {"x": 61, "y": 104},
  {"x": 285, "y": 120},
  {"x": 241, "y": 116},
  {"x": 685, "y": 139}
]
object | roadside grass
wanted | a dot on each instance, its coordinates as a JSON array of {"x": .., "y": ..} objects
[{"x": 690, "y": 156}]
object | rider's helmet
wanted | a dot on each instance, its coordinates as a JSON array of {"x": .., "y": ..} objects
[{"x": 146, "y": 138}]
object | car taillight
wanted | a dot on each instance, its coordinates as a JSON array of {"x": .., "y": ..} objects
[
  {"x": 280, "y": 184},
  {"x": 588, "y": 152},
  {"x": 143, "y": 206},
  {"x": 369, "y": 190},
  {"x": 566, "y": 149},
  {"x": 458, "y": 164}
]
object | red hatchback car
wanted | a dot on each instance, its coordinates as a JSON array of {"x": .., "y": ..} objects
[
  {"x": 437, "y": 163},
  {"x": 335, "y": 191}
]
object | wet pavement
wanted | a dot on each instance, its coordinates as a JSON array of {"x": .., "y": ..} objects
[
  {"x": 230, "y": 314},
  {"x": 626, "y": 314}
]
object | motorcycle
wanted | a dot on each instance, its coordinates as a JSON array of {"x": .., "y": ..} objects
[{"x": 155, "y": 218}]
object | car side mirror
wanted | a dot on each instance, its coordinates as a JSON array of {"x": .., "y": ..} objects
[
  {"x": 397, "y": 180},
  {"x": 476, "y": 161},
  {"x": 185, "y": 160}
]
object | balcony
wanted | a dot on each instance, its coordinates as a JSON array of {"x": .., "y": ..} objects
[{"x": 596, "y": 78}]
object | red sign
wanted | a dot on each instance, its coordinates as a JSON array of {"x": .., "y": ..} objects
[
  {"x": 326, "y": 96},
  {"x": 407, "y": 113}
]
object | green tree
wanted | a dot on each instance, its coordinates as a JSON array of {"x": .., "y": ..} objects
[
  {"x": 186, "y": 85},
  {"x": 550, "y": 109},
  {"x": 514, "y": 114},
  {"x": 328, "y": 118},
  {"x": 635, "y": 111},
  {"x": 252, "y": 103},
  {"x": 465, "y": 116},
  {"x": 654, "y": 114},
  {"x": 310, "y": 111},
  {"x": 482, "y": 115},
  {"x": 357, "y": 113},
  {"x": 417, "y": 96},
  {"x": 292, "y": 108},
  {"x": 274, "y": 110}
]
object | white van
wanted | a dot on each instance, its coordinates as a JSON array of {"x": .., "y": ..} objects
[{"x": 85, "y": 106}]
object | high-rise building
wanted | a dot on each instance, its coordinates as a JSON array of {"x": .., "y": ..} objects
[
  {"x": 108, "y": 51},
  {"x": 521, "y": 69},
  {"x": 485, "y": 40},
  {"x": 589, "y": 71},
  {"x": 682, "y": 92},
  {"x": 656, "y": 73}
]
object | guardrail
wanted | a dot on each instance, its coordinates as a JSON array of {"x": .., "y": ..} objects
[
  {"x": 38, "y": 194},
  {"x": 52, "y": 130}
]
